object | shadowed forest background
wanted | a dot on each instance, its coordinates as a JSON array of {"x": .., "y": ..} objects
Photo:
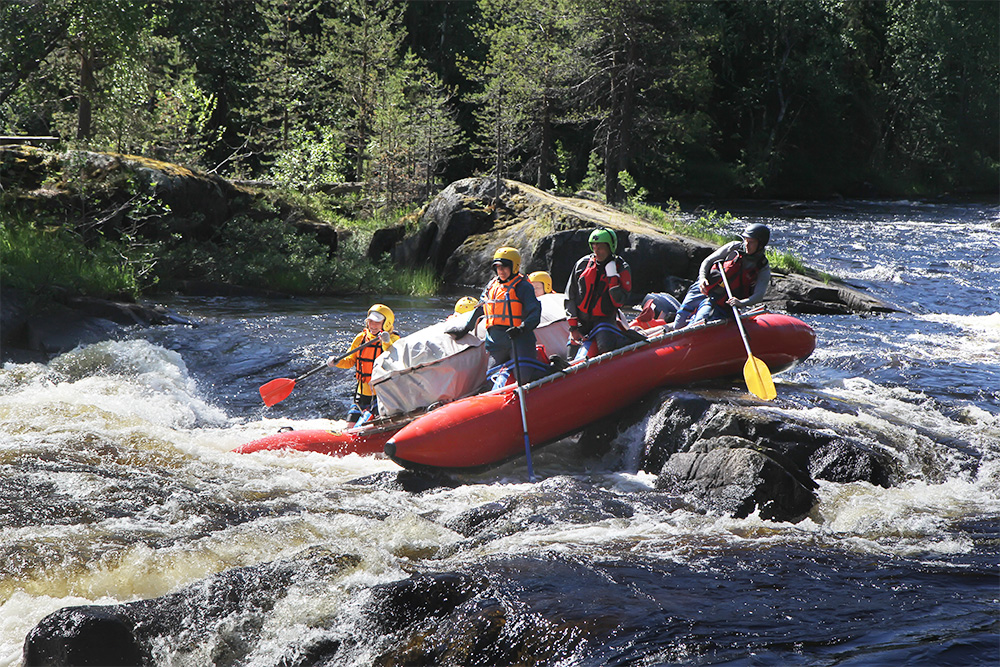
[{"x": 633, "y": 98}]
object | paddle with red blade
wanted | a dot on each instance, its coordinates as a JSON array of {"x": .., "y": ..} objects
[
  {"x": 278, "y": 390},
  {"x": 755, "y": 371}
]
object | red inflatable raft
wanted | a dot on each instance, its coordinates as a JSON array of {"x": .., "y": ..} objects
[
  {"x": 363, "y": 440},
  {"x": 485, "y": 430}
]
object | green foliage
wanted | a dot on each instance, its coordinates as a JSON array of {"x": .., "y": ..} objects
[
  {"x": 633, "y": 191},
  {"x": 785, "y": 261},
  {"x": 263, "y": 251},
  {"x": 594, "y": 178},
  {"x": 39, "y": 258},
  {"x": 521, "y": 85},
  {"x": 770, "y": 98},
  {"x": 412, "y": 135},
  {"x": 311, "y": 158}
]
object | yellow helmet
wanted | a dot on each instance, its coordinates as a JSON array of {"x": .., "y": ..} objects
[
  {"x": 465, "y": 304},
  {"x": 508, "y": 254},
  {"x": 542, "y": 277},
  {"x": 384, "y": 313}
]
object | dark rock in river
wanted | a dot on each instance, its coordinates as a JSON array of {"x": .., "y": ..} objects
[
  {"x": 229, "y": 608},
  {"x": 729, "y": 458},
  {"x": 67, "y": 323},
  {"x": 738, "y": 480},
  {"x": 556, "y": 500}
]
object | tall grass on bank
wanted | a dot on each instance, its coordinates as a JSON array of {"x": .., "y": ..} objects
[
  {"x": 38, "y": 259},
  {"x": 266, "y": 254},
  {"x": 710, "y": 226}
]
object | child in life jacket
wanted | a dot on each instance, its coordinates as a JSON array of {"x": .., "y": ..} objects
[{"x": 375, "y": 338}]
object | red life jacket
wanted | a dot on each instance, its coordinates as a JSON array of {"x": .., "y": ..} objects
[
  {"x": 501, "y": 306},
  {"x": 742, "y": 277},
  {"x": 595, "y": 299}
]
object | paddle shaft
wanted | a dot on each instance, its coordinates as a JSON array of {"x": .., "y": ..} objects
[
  {"x": 736, "y": 312},
  {"x": 278, "y": 390},
  {"x": 524, "y": 416},
  {"x": 326, "y": 364},
  {"x": 759, "y": 380}
]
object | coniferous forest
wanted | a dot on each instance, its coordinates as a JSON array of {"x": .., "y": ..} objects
[{"x": 766, "y": 98}]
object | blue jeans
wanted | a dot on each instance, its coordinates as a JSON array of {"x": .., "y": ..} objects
[{"x": 697, "y": 307}]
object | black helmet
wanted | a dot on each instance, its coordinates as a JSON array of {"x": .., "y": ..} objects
[{"x": 759, "y": 232}]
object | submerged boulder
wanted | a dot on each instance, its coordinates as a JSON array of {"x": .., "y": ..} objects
[{"x": 229, "y": 608}]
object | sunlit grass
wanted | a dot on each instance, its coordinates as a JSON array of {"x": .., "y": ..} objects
[{"x": 40, "y": 258}]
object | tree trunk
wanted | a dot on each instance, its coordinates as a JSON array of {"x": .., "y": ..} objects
[
  {"x": 545, "y": 150},
  {"x": 84, "y": 115}
]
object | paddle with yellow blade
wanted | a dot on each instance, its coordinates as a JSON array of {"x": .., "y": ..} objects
[
  {"x": 278, "y": 390},
  {"x": 755, "y": 372}
]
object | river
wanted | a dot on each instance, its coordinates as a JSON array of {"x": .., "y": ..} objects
[{"x": 118, "y": 480}]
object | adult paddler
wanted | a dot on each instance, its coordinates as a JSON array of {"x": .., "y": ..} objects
[
  {"x": 598, "y": 286},
  {"x": 748, "y": 273}
]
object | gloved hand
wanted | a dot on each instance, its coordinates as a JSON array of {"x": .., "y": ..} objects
[
  {"x": 611, "y": 269},
  {"x": 332, "y": 362},
  {"x": 455, "y": 333},
  {"x": 514, "y": 332},
  {"x": 384, "y": 337}
]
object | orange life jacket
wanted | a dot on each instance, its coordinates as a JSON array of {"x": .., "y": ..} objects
[
  {"x": 364, "y": 363},
  {"x": 502, "y": 307}
]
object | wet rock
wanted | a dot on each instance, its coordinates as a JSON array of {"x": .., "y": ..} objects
[
  {"x": 678, "y": 421},
  {"x": 64, "y": 324},
  {"x": 215, "y": 621},
  {"x": 13, "y": 317},
  {"x": 59, "y": 329},
  {"x": 556, "y": 500},
  {"x": 846, "y": 461},
  {"x": 410, "y": 481},
  {"x": 83, "y": 636},
  {"x": 689, "y": 438},
  {"x": 800, "y": 294},
  {"x": 525, "y": 611},
  {"x": 737, "y": 481}
]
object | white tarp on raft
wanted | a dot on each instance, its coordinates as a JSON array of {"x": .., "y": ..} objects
[
  {"x": 553, "y": 332},
  {"x": 553, "y": 329},
  {"x": 427, "y": 367}
]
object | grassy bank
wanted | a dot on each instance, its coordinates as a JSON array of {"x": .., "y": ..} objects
[
  {"x": 709, "y": 226},
  {"x": 41, "y": 256}
]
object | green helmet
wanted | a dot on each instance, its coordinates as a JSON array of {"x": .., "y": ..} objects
[{"x": 604, "y": 236}]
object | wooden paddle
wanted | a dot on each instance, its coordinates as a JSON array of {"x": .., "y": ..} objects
[
  {"x": 278, "y": 390},
  {"x": 755, "y": 372}
]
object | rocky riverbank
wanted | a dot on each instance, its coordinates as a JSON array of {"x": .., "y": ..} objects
[{"x": 456, "y": 234}]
